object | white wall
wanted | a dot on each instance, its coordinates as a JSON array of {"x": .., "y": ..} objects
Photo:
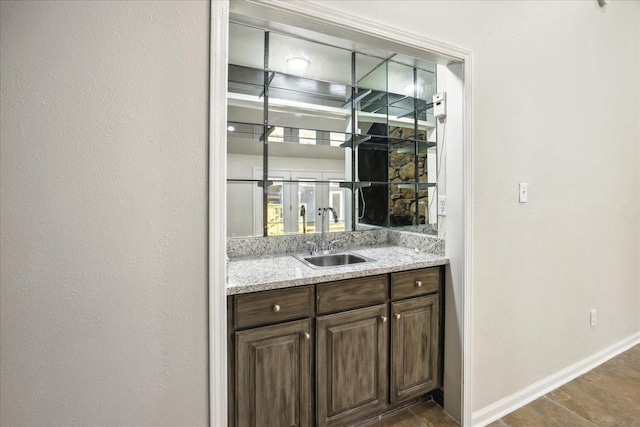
[
  {"x": 551, "y": 107},
  {"x": 103, "y": 175},
  {"x": 104, "y": 213}
]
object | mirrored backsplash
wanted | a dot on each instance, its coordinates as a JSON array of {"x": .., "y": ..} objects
[{"x": 312, "y": 126}]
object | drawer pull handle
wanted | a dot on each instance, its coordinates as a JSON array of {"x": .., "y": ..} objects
[
  {"x": 418, "y": 283},
  {"x": 276, "y": 308},
  {"x": 306, "y": 336},
  {"x": 398, "y": 316},
  {"x": 383, "y": 319}
]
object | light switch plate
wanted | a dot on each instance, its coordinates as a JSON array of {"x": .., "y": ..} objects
[{"x": 524, "y": 192}]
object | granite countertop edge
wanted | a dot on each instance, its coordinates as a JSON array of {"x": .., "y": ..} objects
[{"x": 254, "y": 274}]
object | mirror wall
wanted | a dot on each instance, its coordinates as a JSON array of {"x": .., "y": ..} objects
[{"x": 313, "y": 126}]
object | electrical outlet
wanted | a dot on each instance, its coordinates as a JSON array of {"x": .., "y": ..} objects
[
  {"x": 439, "y": 105},
  {"x": 442, "y": 205},
  {"x": 593, "y": 317}
]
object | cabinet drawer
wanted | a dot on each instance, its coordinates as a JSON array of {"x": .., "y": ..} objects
[
  {"x": 353, "y": 293},
  {"x": 263, "y": 308},
  {"x": 415, "y": 282}
]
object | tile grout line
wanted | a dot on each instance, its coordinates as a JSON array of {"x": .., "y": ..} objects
[
  {"x": 615, "y": 362},
  {"x": 574, "y": 413},
  {"x": 416, "y": 417},
  {"x": 601, "y": 386},
  {"x": 594, "y": 384}
]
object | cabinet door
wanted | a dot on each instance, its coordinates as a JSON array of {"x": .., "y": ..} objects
[
  {"x": 351, "y": 364},
  {"x": 414, "y": 347},
  {"x": 273, "y": 375}
]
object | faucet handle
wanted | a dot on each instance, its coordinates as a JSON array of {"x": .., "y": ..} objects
[
  {"x": 313, "y": 247},
  {"x": 334, "y": 244}
]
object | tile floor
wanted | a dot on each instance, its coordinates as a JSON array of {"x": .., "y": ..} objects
[{"x": 608, "y": 395}]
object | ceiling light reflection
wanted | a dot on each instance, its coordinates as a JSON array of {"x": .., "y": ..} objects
[{"x": 298, "y": 63}]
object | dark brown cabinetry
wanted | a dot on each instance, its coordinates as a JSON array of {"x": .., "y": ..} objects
[
  {"x": 273, "y": 375},
  {"x": 351, "y": 365},
  {"x": 414, "y": 347},
  {"x": 415, "y": 333},
  {"x": 363, "y": 347}
]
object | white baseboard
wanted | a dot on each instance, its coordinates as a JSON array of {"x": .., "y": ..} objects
[{"x": 502, "y": 407}]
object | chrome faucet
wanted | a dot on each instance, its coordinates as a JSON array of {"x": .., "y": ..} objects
[{"x": 324, "y": 245}]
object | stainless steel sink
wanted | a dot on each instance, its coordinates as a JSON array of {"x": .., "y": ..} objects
[{"x": 339, "y": 259}]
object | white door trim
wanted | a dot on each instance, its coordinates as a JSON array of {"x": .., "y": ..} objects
[
  {"x": 316, "y": 16},
  {"x": 217, "y": 212}
]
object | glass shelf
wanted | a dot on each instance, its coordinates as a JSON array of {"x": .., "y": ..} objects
[
  {"x": 245, "y": 75},
  {"x": 425, "y": 145},
  {"x": 287, "y": 134},
  {"x": 316, "y": 89},
  {"x": 286, "y": 86},
  {"x": 423, "y": 102},
  {"x": 339, "y": 183},
  {"x": 238, "y": 88},
  {"x": 420, "y": 185},
  {"x": 246, "y": 131},
  {"x": 414, "y": 185},
  {"x": 400, "y": 145}
]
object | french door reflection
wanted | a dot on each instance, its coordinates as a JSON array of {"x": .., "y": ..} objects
[{"x": 293, "y": 200}]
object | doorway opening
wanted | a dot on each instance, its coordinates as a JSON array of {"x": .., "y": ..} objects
[{"x": 454, "y": 75}]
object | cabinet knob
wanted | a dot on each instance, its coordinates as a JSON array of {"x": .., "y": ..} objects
[
  {"x": 383, "y": 319},
  {"x": 398, "y": 316},
  {"x": 418, "y": 283},
  {"x": 276, "y": 308},
  {"x": 306, "y": 336}
]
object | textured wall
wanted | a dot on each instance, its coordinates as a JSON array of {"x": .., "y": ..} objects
[
  {"x": 103, "y": 179},
  {"x": 555, "y": 104},
  {"x": 104, "y": 201}
]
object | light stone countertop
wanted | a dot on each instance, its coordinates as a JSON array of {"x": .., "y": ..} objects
[{"x": 260, "y": 273}]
